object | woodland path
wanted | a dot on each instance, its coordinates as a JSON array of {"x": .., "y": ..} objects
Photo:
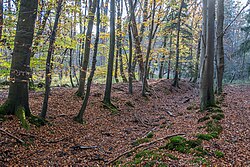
[{"x": 164, "y": 112}]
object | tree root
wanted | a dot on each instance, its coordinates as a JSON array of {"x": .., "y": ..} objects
[{"x": 111, "y": 107}]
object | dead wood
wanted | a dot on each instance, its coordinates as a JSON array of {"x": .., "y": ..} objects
[
  {"x": 9, "y": 134},
  {"x": 142, "y": 145}
]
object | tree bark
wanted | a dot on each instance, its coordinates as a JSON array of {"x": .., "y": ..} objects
[
  {"x": 84, "y": 66},
  {"x": 136, "y": 36},
  {"x": 130, "y": 75},
  {"x": 1, "y": 19},
  {"x": 177, "y": 70},
  {"x": 107, "y": 95},
  {"x": 148, "y": 51},
  {"x": 219, "y": 47},
  {"x": 48, "y": 60},
  {"x": 162, "y": 61},
  {"x": 207, "y": 91},
  {"x": 79, "y": 117},
  {"x": 18, "y": 98}
]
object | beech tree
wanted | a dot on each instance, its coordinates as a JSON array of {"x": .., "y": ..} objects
[
  {"x": 48, "y": 61},
  {"x": 79, "y": 117},
  {"x": 207, "y": 74},
  {"x": 18, "y": 97},
  {"x": 219, "y": 45},
  {"x": 107, "y": 95},
  {"x": 85, "y": 62}
]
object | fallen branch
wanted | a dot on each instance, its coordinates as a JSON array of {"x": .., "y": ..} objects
[
  {"x": 9, "y": 134},
  {"x": 142, "y": 145},
  {"x": 83, "y": 147}
]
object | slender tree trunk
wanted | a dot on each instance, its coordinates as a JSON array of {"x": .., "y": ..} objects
[
  {"x": 130, "y": 75},
  {"x": 177, "y": 69},
  {"x": 170, "y": 53},
  {"x": 162, "y": 61},
  {"x": 198, "y": 52},
  {"x": 48, "y": 61},
  {"x": 119, "y": 39},
  {"x": 70, "y": 67},
  {"x": 1, "y": 18},
  {"x": 116, "y": 66},
  {"x": 203, "y": 37},
  {"x": 84, "y": 67},
  {"x": 142, "y": 29},
  {"x": 136, "y": 36},
  {"x": 148, "y": 51},
  {"x": 107, "y": 95},
  {"x": 79, "y": 117},
  {"x": 220, "y": 48},
  {"x": 207, "y": 91},
  {"x": 18, "y": 97}
]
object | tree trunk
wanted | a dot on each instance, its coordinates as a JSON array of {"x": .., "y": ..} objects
[
  {"x": 18, "y": 97},
  {"x": 84, "y": 66},
  {"x": 207, "y": 91},
  {"x": 198, "y": 52},
  {"x": 203, "y": 37},
  {"x": 107, "y": 95},
  {"x": 136, "y": 36},
  {"x": 1, "y": 19},
  {"x": 142, "y": 29},
  {"x": 177, "y": 69},
  {"x": 130, "y": 75},
  {"x": 48, "y": 60},
  {"x": 70, "y": 68},
  {"x": 148, "y": 51},
  {"x": 79, "y": 117},
  {"x": 220, "y": 48},
  {"x": 170, "y": 53},
  {"x": 162, "y": 61}
]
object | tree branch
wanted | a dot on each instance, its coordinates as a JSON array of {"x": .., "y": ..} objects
[{"x": 142, "y": 145}]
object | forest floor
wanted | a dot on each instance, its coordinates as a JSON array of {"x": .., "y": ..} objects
[{"x": 165, "y": 111}]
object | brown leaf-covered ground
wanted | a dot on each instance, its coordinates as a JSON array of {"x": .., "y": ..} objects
[{"x": 163, "y": 112}]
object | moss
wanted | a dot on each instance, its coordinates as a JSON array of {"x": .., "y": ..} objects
[
  {"x": 4, "y": 108},
  {"x": 218, "y": 116},
  {"x": 205, "y": 118},
  {"x": 20, "y": 113},
  {"x": 171, "y": 156},
  {"x": 79, "y": 120},
  {"x": 193, "y": 143},
  {"x": 140, "y": 141},
  {"x": 111, "y": 107},
  {"x": 180, "y": 144},
  {"x": 213, "y": 127},
  {"x": 218, "y": 154},
  {"x": 150, "y": 135},
  {"x": 201, "y": 161},
  {"x": 214, "y": 109},
  {"x": 205, "y": 136},
  {"x": 200, "y": 151},
  {"x": 37, "y": 121},
  {"x": 130, "y": 104},
  {"x": 189, "y": 107}
]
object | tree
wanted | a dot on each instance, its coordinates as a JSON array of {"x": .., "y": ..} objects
[
  {"x": 48, "y": 60},
  {"x": 79, "y": 117},
  {"x": 176, "y": 77},
  {"x": 107, "y": 95},
  {"x": 148, "y": 51},
  {"x": 84, "y": 65},
  {"x": 18, "y": 98},
  {"x": 219, "y": 46},
  {"x": 206, "y": 88},
  {"x": 1, "y": 18}
]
